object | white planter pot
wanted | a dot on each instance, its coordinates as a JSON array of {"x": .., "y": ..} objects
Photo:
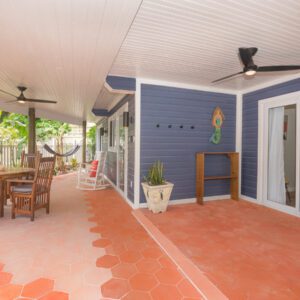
[{"x": 157, "y": 196}]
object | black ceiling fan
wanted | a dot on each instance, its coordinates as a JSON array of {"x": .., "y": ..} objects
[
  {"x": 250, "y": 68},
  {"x": 22, "y": 99}
]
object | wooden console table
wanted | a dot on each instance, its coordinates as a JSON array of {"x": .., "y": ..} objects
[{"x": 234, "y": 174}]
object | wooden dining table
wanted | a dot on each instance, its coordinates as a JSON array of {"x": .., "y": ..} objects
[{"x": 9, "y": 173}]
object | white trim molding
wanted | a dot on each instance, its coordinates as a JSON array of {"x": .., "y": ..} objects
[
  {"x": 137, "y": 144},
  {"x": 239, "y": 134},
  {"x": 249, "y": 199},
  {"x": 187, "y": 86}
]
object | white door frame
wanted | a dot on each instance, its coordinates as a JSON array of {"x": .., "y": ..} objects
[
  {"x": 263, "y": 121},
  {"x": 120, "y": 111}
]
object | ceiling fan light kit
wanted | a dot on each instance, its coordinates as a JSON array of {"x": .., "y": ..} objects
[{"x": 250, "y": 69}]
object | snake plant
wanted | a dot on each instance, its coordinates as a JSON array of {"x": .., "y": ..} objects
[{"x": 155, "y": 174}]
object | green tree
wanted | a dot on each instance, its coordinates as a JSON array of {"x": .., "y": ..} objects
[
  {"x": 47, "y": 129},
  {"x": 91, "y": 137}
]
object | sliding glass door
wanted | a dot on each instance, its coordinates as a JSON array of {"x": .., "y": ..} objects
[{"x": 280, "y": 173}]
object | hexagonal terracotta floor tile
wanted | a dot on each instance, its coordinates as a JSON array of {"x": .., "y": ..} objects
[
  {"x": 166, "y": 262},
  {"x": 165, "y": 292},
  {"x": 55, "y": 296},
  {"x": 148, "y": 265},
  {"x": 38, "y": 288},
  {"x": 152, "y": 252},
  {"x": 101, "y": 243},
  {"x": 143, "y": 282},
  {"x": 137, "y": 295},
  {"x": 5, "y": 278},
  {"x": 123, "y": 270},
  {"x": 10, "y": 291},
  {"x": 168, "y": 276},
  {"x": 187, "y": 289},
  {"x": 107, "y": 261},
  {"x": 130, "y": 256},
  {"x": 115, "y": 288}
]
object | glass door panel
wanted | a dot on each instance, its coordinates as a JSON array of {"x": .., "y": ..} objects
[{"x": 121, "y": 154}]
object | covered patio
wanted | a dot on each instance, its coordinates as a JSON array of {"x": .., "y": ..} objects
[
  {"x": 192, "y": 101},
  {"x": 89, "y": 247},
  {"x": 94, "y": 246}
]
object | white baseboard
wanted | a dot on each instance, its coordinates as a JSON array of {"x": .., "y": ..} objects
[
  {"x": 246, "y": 198},
  {"x": 121, "y": 193},
  {"x": 191, "y": 200},
  {"x": 218, "y": 197},
  {"x": 173, "y": 202}
]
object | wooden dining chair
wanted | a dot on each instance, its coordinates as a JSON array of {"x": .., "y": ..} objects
[
  {"x": 28, "y": 160},
  {"x": 29, "y": 195}
]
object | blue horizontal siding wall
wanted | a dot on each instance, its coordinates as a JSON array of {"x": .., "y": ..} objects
[
  {"x": 176, "y": 147},
  {"x": 250, "y": 131}
]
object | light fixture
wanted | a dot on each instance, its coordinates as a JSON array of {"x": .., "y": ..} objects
[
  {"x": 101, "y": 131},
  {"x": 125, "y": 119},
  {"x": 21, "y": 101},
  {"x": 250, "y": 72}
]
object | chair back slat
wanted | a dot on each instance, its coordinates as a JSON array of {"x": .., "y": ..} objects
[
  {"x": 28, "y": 160},
  {"x": 44, "y": 173}
]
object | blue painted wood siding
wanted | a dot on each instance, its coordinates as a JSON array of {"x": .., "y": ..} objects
[
  {"x": 121, "y": 83},
  {"x": 250, "y": 131},
  {"x": 176, "y": 147}
]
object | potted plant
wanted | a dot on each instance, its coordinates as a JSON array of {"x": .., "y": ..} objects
[{"x": 157, "y": 191}]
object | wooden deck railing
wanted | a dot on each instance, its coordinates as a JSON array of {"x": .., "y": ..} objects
[{"x": 10, "y": 155}]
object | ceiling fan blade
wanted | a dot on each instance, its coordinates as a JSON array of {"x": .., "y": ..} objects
[
  {"x": 7, "y": 93},
  {"x": 11, "y": 101},
  {"x": 40, "y": 101},
  {"x": 277, "y": 68},
  {"x": 227, "y": 77}
]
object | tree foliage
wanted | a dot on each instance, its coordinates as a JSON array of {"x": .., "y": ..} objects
[{"x": 14, "y": 128}]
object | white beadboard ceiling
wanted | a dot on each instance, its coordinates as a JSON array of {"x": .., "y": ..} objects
[
  {"x": 196, "y": 41},
  {"x": 61, "y": 50},
  {"x": 64, "y": 49}
]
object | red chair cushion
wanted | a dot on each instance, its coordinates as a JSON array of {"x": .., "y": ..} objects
[{"x": 94, "y": 167}]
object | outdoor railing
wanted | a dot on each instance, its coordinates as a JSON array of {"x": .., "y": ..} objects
[{"x": 10, "y": 155}]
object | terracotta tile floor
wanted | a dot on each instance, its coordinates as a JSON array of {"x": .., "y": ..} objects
[
  {"x": 248, "y": 251},
  {"x": 92, "y": 249},
  {"x": 140, "y": 269}
]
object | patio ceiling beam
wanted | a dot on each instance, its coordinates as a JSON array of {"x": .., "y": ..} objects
[{"x": 83, "y": 141}]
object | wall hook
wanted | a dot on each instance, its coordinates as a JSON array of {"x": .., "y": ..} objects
[
  {"x": 157, "y": 125},
  {"x": 192, "y": 127},
  {"x": 181, "y": 126},
  {"x": 170, "y": 126}
]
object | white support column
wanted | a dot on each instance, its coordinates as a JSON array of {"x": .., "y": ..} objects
[
  {"x": 239, "y": 133},
  {"x": 137, "y": 144}
]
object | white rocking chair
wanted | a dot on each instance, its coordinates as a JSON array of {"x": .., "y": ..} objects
[{"x": 90, "y": 178}]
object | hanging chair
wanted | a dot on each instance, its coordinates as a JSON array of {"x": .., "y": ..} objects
[{"x": 69, "y": 153}]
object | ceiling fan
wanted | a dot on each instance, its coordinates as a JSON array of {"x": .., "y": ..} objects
[
  {"x": 250, "y": 68},
  {"x": 22, "y": 99}
]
